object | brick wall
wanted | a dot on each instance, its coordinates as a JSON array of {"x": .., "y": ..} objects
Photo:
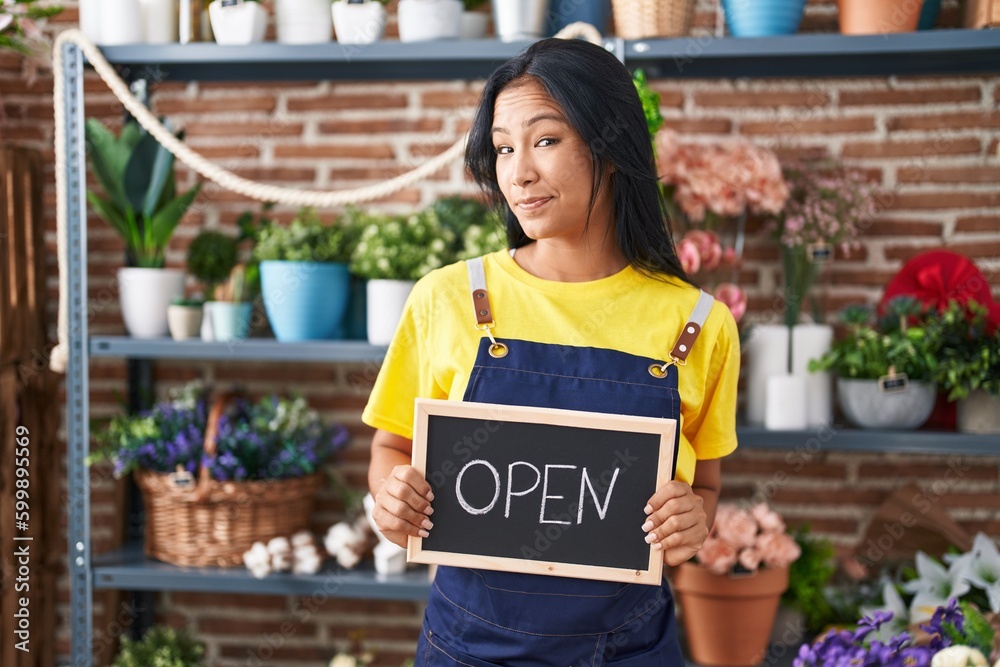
[{"x": 931, "y": 141}]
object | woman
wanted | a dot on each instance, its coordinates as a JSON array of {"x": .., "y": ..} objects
[{"x": 585, "y": 312}]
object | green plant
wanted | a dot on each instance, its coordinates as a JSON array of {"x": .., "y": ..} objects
[
  {"x": 967, "y": 350},
  {"x": 650, "y": 103},
  {"x": 162, "y": 646},
  {"x": 305, "y": 239},
  {"x": 473, "y": 4},
  {"x": 236, "y": 287},
  {"x": 211, "y": 257},
  {"x": 867, "y": 352},
  {"x": 403, "y": 247},
  {"x": 808, "y": 578},
  {"x": 19, "y": 29},
  {"x": 140, "y": 196},
  {"x": 188, "y": 302}
]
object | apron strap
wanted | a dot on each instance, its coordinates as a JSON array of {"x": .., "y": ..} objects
[
  {"x": 682, "y": 348},
  {"x": 480, "y": 297}
]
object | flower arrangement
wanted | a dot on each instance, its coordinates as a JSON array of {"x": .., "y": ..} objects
[
  {"x": 701, "y": 255},
  {"x": 21, "y": 24},
  {"x": 161, "y": 646},
  {"x": 305, "y": 239},
  {"x": 273, "y": 438},
  {"x": 742, "y": 540},
  {"x": 403, "y": 247}
]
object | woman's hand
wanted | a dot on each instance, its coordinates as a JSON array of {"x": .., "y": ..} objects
[
  {"x": 676, "y": 522},
  {"x": 403, "y": 505}
]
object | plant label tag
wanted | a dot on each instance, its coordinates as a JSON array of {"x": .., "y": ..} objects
[
  {"x": 230, "y": 3},
  {"x": 894, "y": 383},
  {"x": 182, "y": 478},
  {"x": 819, "y": 253}
]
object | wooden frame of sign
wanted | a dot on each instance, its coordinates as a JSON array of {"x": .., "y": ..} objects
[{"x": 553, "y": 548}]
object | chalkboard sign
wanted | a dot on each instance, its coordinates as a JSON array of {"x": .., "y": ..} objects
[{"x": 541, "y": 491}]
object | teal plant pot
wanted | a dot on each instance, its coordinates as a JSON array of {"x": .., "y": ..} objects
[
  {"x": 305, "y": 300},
  {"x": 929, "y": 14},
  {"x": 763, "y": 18},
  {"x": 230, "y": 321},
  {"x": 356, "y": 320}
]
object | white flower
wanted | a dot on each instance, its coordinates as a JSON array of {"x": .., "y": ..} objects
[
  {"x": 935, "y": 586},
  {"x": 983, "y": 569},
  {"x": 892, "y": 601},
  {"x": 959, "y": 656},
  {"x": 343, "y": 660}
]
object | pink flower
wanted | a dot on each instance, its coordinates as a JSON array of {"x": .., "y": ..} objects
[
  {"x": 749, "y": 558},
  {"x": 738, "y": 528},
  {"x": 777, "y": 549},
  {"x": 769, "y": 520},
  {"x": 734, "y": 297},
  {"x": 687, "y": 253},
  {"x": 709, "y": 249},
  {"x": 717, "y": 556},
  {"x": 729, "y": 257}
]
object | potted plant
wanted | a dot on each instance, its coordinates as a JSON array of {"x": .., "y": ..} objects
[
  {"x": 870, "y": 17},
  {"x": 885, "y": 373},
  {"x": 184, "y": 318},
  {"x": 238, "y": 21},
  {"x": 968, "y": 368},
  {"x": 141, "y": 203},
  {"x": 304, "y": 276},
  {"x": 210, "y": 259},
  {"x": 740, "y": 575},
  {"x": 392, "y": 254},
  {"x": 161, "y": 646},
  {"x": 359, "y": 21},
  {"x": 304, "y": 21},
  {"x": 473, "y": 21},
  {"x": 519, "y": 21},
  {"x": 231, "y": 309},
  {"x": 425, "y": 20},
  {"x": 763, "y": 18}
]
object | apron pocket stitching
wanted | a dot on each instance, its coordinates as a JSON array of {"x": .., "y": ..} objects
[
  {"x": 660, "y": 600},
  {"x": 430, "y": 643},
  {"x": 478, "y": 371},
  {"x": 564, "y": 595},
  {"x": 580, "y": 377}
]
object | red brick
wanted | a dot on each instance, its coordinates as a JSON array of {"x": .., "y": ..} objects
[
  {"x": 905, "y": 253},
  {"x": 429, "y": 149},
  {"x": 382, "y": 125},
  {"x": 970, "y": 174},
  {"x": 178, "y": 105},
  {"x": 929, "y": 149},
  {"x": 449, "y": 99},
  {"x": 865, "y": 277},
  {"x": 828, "y": 525},
  {"x": 828, "y": 497},
  {"x": 216, "y": 625},
  {"x": 904, "y": 228},
  {"x": 233, "y": 600},
  {"x": 762, "y": 99},
  {"x": 764, "y": 252},
  {"x": 818, "y": 126},
  {"x": 739, "y": 465},
  {"x": 969, "y": 468},
  {"x": 265, "y": 652},
  {"x": 376, "y": 632},
  {"x": 297, "y": 174},
  {"x": 687, "y": 126},
  {"x": 247, "y": 131},
  {"x": 984, "y": 249},
  {"x": 336, "y": 102},
  {"x": 333, "y": 151},
  {"x": 981, "y": 223},
  {"x": 240, "y": 150},
  {"x": 334, "y": 605},
  {"x": 948, "y": 121},
  {"x": 911, "y": 96},
  {"x": 978, "y": 501},
  {"x": 378, "y": 173},
  {"x": 944, "y": 200},
  {"x": 670, "y": 96}
]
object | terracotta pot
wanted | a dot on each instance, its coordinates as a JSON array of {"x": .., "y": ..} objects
[
  {"x": 878, "y": 17},
  {"x": 728, "y": 619}
]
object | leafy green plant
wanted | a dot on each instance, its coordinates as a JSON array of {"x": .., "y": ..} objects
[
  {"x": 808, "y": 578},
  {"x": 188, "y": 302},
  {"x": 236, "y": 287},
  {"x": 305, "y": 239},
  {"x": 19, "y": 29},
  {"x": 211, "y": 257},
  {"x": 403, "y": 247},
  {"x": 867, "y": 352},
  {"x": 650, "y": 102},
  {"x": 968, "y": 352},
  {"x": 140, "y": 196},
  {"x": 470, "y": 5},
  {"x": 162, "y": 646}
]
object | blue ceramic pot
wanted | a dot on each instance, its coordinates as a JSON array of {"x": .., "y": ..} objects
[
  {"x": 763, "y": 18},
  {"x": 230, "y": 321},
  {"x": 929, "y": 14},
  {"x": 305, "y": 300},
  {"x": 563, "y": 12}
]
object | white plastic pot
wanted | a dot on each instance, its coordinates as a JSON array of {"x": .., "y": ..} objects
[
  {"x": 145, "y": 296},
  {"x": 303, "y": 21},
  {"x": 359, "y": 24},
  {"x": 159, "y": 21},
  {"x": 474, "y": 25},
  {"x": 244, "y": 23},
  {"x": 184, "y": 321},
  {"x": 866, "y": 406},
  {"x": 121, "y": 23},
  {"x": 386, "y": 299},
  {"x": 786, "y": 403},
  {"x": 425, "y": 20}
]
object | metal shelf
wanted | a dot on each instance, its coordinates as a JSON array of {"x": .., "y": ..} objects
[
  {"x": 251, "y": 349},
  {"x": 130, "y": 569},
  {"x": 846, "y": 439},
  {"x": 806, "y": 55}
]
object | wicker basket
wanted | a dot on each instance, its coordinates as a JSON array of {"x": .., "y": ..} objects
[
  {"x": 642, "y": 19},
  {"x": 206, "y": 522}
]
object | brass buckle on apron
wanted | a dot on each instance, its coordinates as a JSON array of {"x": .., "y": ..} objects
[
  {"x": 659, "y": 371},
  {"x": 497, "y": 350}
]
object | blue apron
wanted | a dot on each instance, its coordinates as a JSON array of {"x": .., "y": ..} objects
[{"x": 484, "y": 618}]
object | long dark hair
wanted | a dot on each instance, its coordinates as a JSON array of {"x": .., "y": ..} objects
[{"x": 600, "y": 102}]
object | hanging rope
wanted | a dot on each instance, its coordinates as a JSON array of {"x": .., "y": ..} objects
[{"x": 223, "y": 177}]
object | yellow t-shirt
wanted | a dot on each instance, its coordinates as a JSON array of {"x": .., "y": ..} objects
[{"x": 434, "y": 348}]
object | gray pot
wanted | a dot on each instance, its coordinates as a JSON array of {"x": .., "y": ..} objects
[
  {"x": 979, "y": 413},
  {"x": 519, "y": 20},
  {"x": 866, "y": 406}
]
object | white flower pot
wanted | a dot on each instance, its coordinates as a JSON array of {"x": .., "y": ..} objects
[
  {"x": 979, "y": 413},
  {"x": 303, "y": 21},
  {"x": 184, "y": 321},
  {"x": 767, "y": 355},
  {"x": 786, "y": 403},
  {"x": 145, "y": 296},
  {"x": 159, "y": 21},
  {"x": 867, "y": 406},
  {"x": 424, "y": 20},
  {"x": 386, "y": 299},
  {"x": 90, "y": 19},
  {"x": 207, "y": 333},
  {"x": 359, "y": 24},
  {"x": 812, "y": 341},
  {"x": 474, "y": 25},
  {"x": 245, "y": 23},
  {"x": 518, "y": 20},
  {"x": 121, "y": 23}
]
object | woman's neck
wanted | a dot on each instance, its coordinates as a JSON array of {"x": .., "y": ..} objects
[{"x": 550, "y": 260}]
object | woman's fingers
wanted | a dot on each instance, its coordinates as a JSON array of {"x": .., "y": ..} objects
[
  {"x": 676, "y": 521},
  {"x": 402, "y": 505}
]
